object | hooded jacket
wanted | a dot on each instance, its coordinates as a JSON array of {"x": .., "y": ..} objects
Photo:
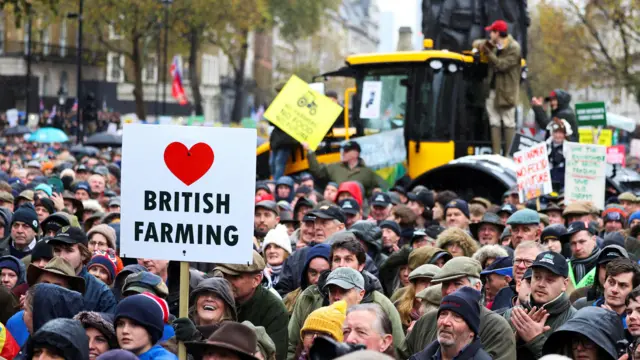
[
  {"x": 489, "y": 252},
  {"x": 313, "y": 298},
  {"x": 353, "y": 188},
  {"x": 157, "y": 352},
  {"x": 603, "y": 327},
  {"x": 495, "y": 335},
  {"x": 460, "y": 237},
  {"x": 340, "y": 172},
  {"x": 22, "y": 271},
  {"x": 5, "y": 214},
  {"x": 389, "y": 270},
  {"x": 370, "y": 233},
  {"x": 97, "y": 295},
  {"x": 286, "y": 181},
  {"x": 221, "y": 288},
  {"x": 66, "y": 335},
  {"x": 563, "y": 111},
  {"x": 560, "y": 311},
  {"x": 292, "y": 268}
]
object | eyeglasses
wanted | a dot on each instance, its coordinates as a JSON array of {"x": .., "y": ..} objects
[
  {"x": 583, "y": 342},
  {"x": 525, "y": 262}
]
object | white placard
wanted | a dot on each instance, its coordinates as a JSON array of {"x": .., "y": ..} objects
[
  {"x": 585, "y": 176},
  {"x": 532, "y": 172},
  {"x": 188, "y": 193},
  {"x": 634, "y": 148},
  {"x": 383, "y": 150},
  {"x": 12, "y": 117},
  {"x": 371, "y": 98}
]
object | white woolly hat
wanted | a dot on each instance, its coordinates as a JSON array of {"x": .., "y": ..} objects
[{"x": 278, "y": 236}]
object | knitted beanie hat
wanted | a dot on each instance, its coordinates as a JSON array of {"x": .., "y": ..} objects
[
  {"x": 26, "y": 214},
  {"x": 105, "y": 230},
  {"x": 148, "y": 310},
  {"x": 327, "y": 319},
  {"x": 102, "y": 259},
  {"x": 278, "y": 236}
]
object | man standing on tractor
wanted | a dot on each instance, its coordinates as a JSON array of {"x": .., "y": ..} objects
[{"x": 504, "y": 56}]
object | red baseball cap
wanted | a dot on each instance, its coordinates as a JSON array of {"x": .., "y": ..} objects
[{"x": 498, "y": 25}]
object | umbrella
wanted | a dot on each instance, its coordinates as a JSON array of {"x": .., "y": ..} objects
[
  {"x": 85, "y": 150},
  {"x": 17, "y": 131},
  {"x": 104, "y": 139},
  {"x": 49, "y": 135}
]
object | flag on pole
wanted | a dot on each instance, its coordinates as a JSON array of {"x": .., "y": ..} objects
[
  {"x": 177, "y": 90},
  {"x": 52, "y": 114},
  {"x": 41, "y": 106},
  {"x": 75, "y": 106}
]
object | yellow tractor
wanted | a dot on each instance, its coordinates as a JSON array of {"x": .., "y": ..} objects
[{"x": 434, "y": 95}]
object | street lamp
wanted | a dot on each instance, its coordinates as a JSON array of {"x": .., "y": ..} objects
[
  {"x": 166, "y": 4},
  {"x": 78, "y": 15}
]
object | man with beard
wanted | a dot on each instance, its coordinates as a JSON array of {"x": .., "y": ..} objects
[
  {"x": 458, "y": 323},
  {"x": 265, "y": 218},
  {"x": 549, "y": 305}
]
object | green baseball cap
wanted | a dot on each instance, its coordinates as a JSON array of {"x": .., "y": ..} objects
[{"x": 346, "y": 278}]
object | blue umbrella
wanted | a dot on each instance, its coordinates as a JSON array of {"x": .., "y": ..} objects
[{"x": 48, "y": 135}]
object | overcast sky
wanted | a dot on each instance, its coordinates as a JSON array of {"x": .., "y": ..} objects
[{"x": 404, "y": 13}]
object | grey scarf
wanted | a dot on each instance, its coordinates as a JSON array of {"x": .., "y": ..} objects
[{"x": 582, "y": 266}]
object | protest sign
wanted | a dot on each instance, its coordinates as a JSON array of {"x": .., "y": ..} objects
[
  {"x": 186, "y": 197},
  {"x": 604, "y": 136},
  {"x": 634, "y": 148},
  {"x": 318, "y": 87},
  {"x": 371, "y": 97},
  {"x": 521, "y": 142},
  {"x": 303, "y": 113},
  {"x": 384, "y": 149},
  {"x": 591, "y": 114},
  {"x": 616, "y": 155},
  {"x": 532, "y": 172},
  {"x": 585, "y": 173},
  {"x": 12, "y": 117}
]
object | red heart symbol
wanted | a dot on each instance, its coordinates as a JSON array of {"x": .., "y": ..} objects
[{"x": 188, "y": 165}]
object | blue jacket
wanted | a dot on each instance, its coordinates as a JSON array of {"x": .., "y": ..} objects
[
  {"x": 97, "y": 296},
  {"x": 157, "y": 352},
  {"x": 17, "y": 328}
]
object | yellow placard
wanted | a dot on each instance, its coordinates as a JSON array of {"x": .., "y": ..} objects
[
  {"x": 303, "y": 113},
  {"x": 604, "y": 138}
]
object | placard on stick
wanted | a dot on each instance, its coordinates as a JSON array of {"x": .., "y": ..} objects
[
  {"x": 532, "y": 172},
  {"x": 585, "y": 175},
  {"x": 188, "y": 193},
  {"x": 303, "y": 113}
]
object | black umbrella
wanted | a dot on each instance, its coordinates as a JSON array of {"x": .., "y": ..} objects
[
  {"x": 85, "y": 150},
  {"x": 104, "y": 139},
  {"x": 17, "y": 131}
]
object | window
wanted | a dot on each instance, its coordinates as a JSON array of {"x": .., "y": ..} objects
[
  {"x": 64, "y": 81},
  {"x": 115, "y": 67},
  {"x": 210, "y": 73},
  {"x": 150, "y": 70},
  {"x": 63, "y": 38}
]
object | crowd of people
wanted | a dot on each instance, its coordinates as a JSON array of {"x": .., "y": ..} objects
[{"x": 339, "y": 269}]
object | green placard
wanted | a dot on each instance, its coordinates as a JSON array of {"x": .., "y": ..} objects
[{"x": 591, "y": 114}]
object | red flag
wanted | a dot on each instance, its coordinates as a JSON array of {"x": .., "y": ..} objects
[{"x": 177, "y": 91}]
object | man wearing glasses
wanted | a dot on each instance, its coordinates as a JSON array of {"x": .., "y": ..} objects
[{"x": 523, "y": 258}]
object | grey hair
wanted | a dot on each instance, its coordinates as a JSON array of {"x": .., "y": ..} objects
[
  {"x": 382, "y": 325},
  {"x": 474, "y": 281},
  {"x": 531, "y": 245}
]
